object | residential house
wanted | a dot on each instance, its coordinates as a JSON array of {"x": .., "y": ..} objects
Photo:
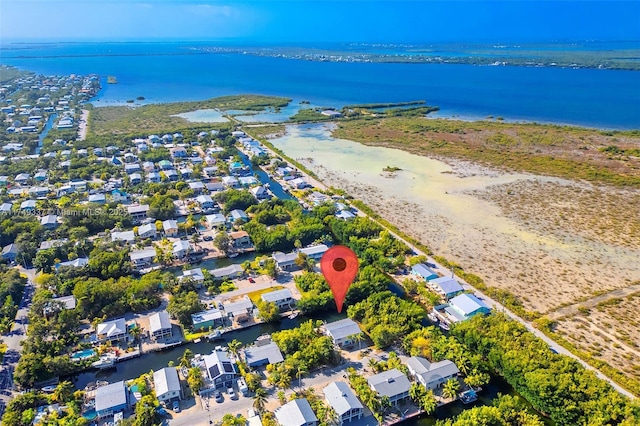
[
  {"x": 49, "y": 221},
  {"x": 241, "y": 310},
  {"x": 126, "y": 236},
  {"x": 98, "y": 198},
  {"x": 45, "y": 245},
  {"x": 247, "y": 181},
  {"x": 178, "y": 152},
  {"x": 5, "y": 208},
  {"x": 315, "y": 252},
  {"x": 285, "y": 261},
  {"x": 170, "y": 228},
  {"x": 214, "y": 186},
  {"x": 236, "y": 215},
  {"x": 221, "y": 372},
  {"x": 41, "y": 176},
  {"x": 185, "y": 172},
  {"x": 197, "y": 187},
  {"x": 120, "y": 196},
  {"x": 132, "y": 168},
  {"x": 78, "y": 185},
  {"x": 160, "y": 326},
  {"x": 230, "y": 182},
  {"x": 130, "y": 158},
  {"x": 465, "y": 306},
  {"x": 165, "y": 165},
  {"x": 76, "y": 263},
  {"x": 195, "y": 274},
  {"x": 28, "y": 205},
  {"x": 181, "y": 249},
  {"x": 147, "y": 231},
  {"x": 9, "y": 252},
  {"x": 143, "y": 258},
  {"x": 112, "y": 331},
  {"x": 38, "y": 191},
  {"x": 446, "y": 287},
  {"x": 423, "y": 271},
  {"x": 215, "y": 220},
  {"x": 296, "y": 413},
  {"x": 240, "y": 240},
  {"x": 205, "y": 202},
  {"x": 227, "y": 272},
  {"x": 282, "y": 298},
  {"x": 111, "y": 399},
  {"x": 148, "y": 166},
  {"x": 298, "y": 183},
  {"x": 154, "y": 177},
  {"x": 345, "y": 215},
  {"x": 260, "y": 193},
  {"x": 172, "y": 175},
  {"x": 209, "y": 319},
  {"x": 22, "y": 178},
  {"x": 262, "y": 354},
  {"x": 431, "y": 375},
  {"x": 166, "y": 383},
  {"x": 138, "y": 212},
  {"x": 135, "y": 179},
  {"x": 342, "y": 332},
  {"x": 392, "y": 384},
  {"x": 344, "y": 402}
]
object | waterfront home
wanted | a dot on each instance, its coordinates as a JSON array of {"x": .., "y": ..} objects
[
  {"x": 205, "y": 202},
  {"x": 423, "y": 271},
  {"x": 138, "y": 212},
  {"x": 227, "y": 272},
  {"x": 236, "y": 215},
  {"x": 331, "y": 113},
  {"x": 282, "y": 298},
  {"x": 49, "y": 221},
  {"x": 465, "y": 306},
  {"x": 170, "y": 228},
  {"x": 240, "y": 240},
  {"x": 240, "y": 310},
  {"x": 215, "y": 220},
  {"x": 296, "y": 413},
  {"x": 345, "y": 215},
  {"x": 206, "y": 320},
  {"x": 10, "y": 252},
  {"x": 392, "y": 384},
  {"x": 41, "y": 176},
  {"x": 112, "y": 331},
  {"x": 160, "y": 326},
  {"x": 142, "y": 258},
  {"x": 147, "y": 231},
  {"x": 299, "y": 183},
  {"x": 221, "y": 372},
  {"x": 260, "y": 193},
  {"x": 238, "y": 134},
  {"x": 209, "y": 319},
  {"x": 76, "y": 263},
  {"x": 247, "y": 181},
  {"x": 195, "y": 274},
  {"x": 285, "y": 261},
  {"x": 181, "y": 249},
  {"x": 342, "y": 332},
  {"x": 111, "y": 399},
  {"x": 98, "y": 198},
  {"x": 262, "y": 354},
  {"x": 166, "y": 383},
  {"x": 446, "y": 287},
  {"x": 230, "y": 182},
  {"x": 344, "y": 402},
  {"x": 314, "y": 252},
  {"x": 28, "y": 205},
  {"x": 126, "y": 236},
  {"x": 21, "y": 178},
  {"x": 431, "y": 375},
  {"x": 284, "y": 171}
]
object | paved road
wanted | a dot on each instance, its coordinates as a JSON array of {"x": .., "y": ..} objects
[{"x": 496, "y": 305}]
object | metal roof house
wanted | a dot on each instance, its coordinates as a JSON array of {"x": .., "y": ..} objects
[
  {"x": 143, "y": 257},
  {"x": 170, "y": 228},
  {"x": 260, "y": 355},
  {"x": 160, "y": 325},
  {"x": 465, "y": 306},
  {"x": 447, "y": 287},
  {"x": 342, "y": 331},
  {"x": 341, "y": 398},
  {"x": 296, "y": 413},
  {"x": 167, "y": 384},
  {"x": 220, "y": 370},
  {"x": 285, "y": 261},
  {"x": 315, "y": 252},
  {"x": 392, "y": 384},
  {"x": 431, "y": 375},
  {"x": 231, "y": 271},
  {"x": 203, "y": 320},
  {"x": 423, "y": 271},
  {"x": 239, "y": 310},
  {"x": 282, "y": 298},
  {"x": 112, "y": 331},
  {"x": 111, "y": 399}
]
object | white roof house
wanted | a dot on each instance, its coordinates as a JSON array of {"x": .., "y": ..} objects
[
  {"x": 341, "y": 398},
  {"x": 111, "y": 398},
  {"x": 256, "y": 356},
  {"x": 159, "y": 321},
  {"x": 315, "y": 252},
  {"x": 127, "y": 236},
  {"x": 342, "y": 331},
  {"x": 279, "y": 297},
  {"x": 166, "y": 383},
  {"x": 391, "y": 383},
  {"x": 215, "y": 220},
  {"x": 230, "y": 271},
  {"x": 446, "y": 286},
  {"x": 111, "y": 330},
  {"x": 431, "y": 375},
  {"x": 147, "y": 231},
  {"x": 465, "y": 306},
  {"x": 296, "y": 413}
]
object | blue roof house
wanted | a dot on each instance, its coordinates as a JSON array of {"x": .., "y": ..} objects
[
  {"x": 446, "y": 287},
  {"x": 422, "y": 270}
]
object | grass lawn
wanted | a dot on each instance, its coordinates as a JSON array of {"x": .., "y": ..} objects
[{"x": 255, "y": 295}]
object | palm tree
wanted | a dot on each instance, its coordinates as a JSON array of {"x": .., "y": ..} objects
[
  {"x": 428, "y": 402},
  {"x": 260, "y": 399},
  {"x": 450, "y": 388},
  {"x": 357, "y": 338},
  {"x": 63, "y": 392},
  {"x": 185, "y": 359},
  {"x": 373, "y": 364},
  {"x": 135, "y": 332},
  {"x": 234, "y": 347},
  {"x": 301, "y": 369}
]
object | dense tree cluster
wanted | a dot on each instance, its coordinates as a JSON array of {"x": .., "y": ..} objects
[
  {"x": 506, "y": 410},
  {"x": 233, "y": 199},
  {"x": 11, "y": 288}
]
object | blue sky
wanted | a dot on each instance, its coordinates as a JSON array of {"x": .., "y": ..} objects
[{"x": 298, "y": 21}]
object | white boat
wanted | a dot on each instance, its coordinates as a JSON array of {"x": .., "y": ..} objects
[
  {"x": 433, "y": 318},
  {"x": 443, "y": 325},
  {"x": 105, "y": 361},
  {"x": 215, "y": 334},
  {"x": 232, "y": 255},
  {"x": 48, "y": 389},
  {"x": 198, "y": 340},
  {"x": 293, "y": 315}
]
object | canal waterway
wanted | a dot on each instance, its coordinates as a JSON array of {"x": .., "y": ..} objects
[{"x": 45, "y": 131}]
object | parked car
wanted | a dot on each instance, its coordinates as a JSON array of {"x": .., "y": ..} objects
[
  {"x": 218, "y": 396},
  {"x": 431, "y": 265},
  {"x": 251, "y": 280},
  {"x": 207, "y": 238},
  {"x": 232, "y": 394},
  {"x": 176, "y": 406}
]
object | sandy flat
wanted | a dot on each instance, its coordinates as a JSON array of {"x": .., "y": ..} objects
[{"x": 468, "y": 214}]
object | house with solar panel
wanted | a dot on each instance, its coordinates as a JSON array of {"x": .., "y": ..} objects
[{"x": 220, "y": 370}]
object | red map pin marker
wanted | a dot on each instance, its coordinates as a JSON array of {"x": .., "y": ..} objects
[{"x": 339, "y": 265}]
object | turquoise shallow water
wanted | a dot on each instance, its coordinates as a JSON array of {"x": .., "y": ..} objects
[{"x": 172, "y": 72}]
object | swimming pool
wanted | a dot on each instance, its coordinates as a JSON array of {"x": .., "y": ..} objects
[{"x": 87, "y": 353}]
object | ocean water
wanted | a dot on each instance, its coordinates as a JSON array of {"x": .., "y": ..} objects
[{"x": 163, "y": 72}]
